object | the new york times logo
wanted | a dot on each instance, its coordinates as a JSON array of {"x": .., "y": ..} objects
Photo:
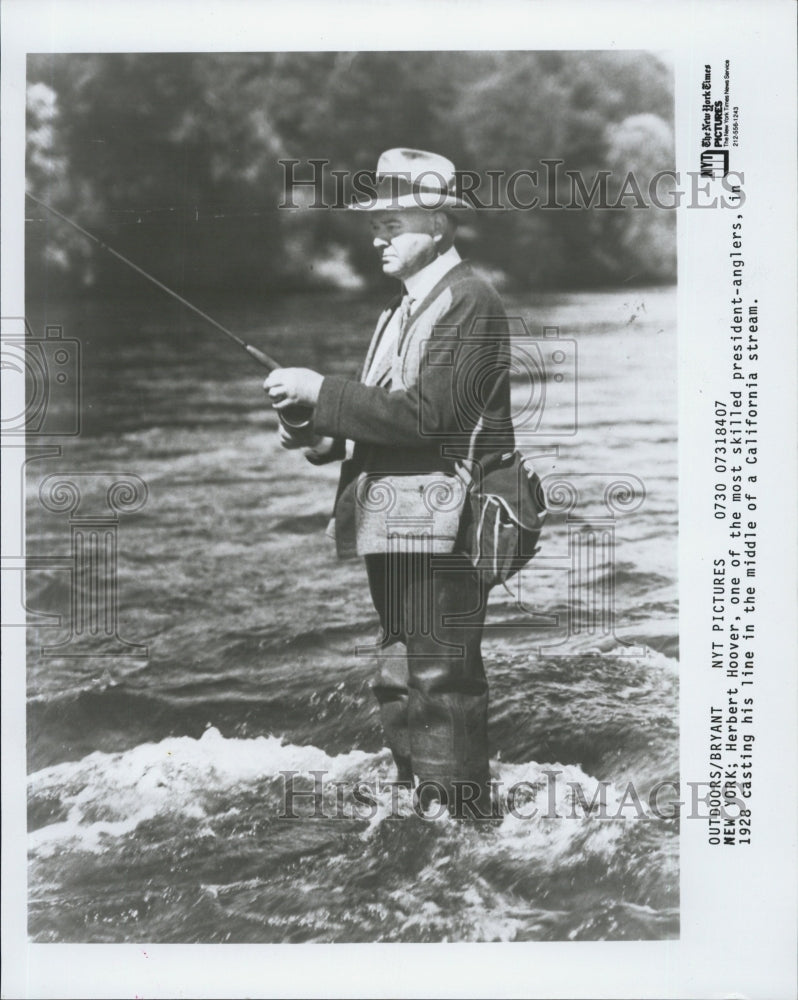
[{"x": 714, "y": 162}]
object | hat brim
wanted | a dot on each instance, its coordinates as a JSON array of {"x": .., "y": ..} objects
[{"x": 430, "y": 200}]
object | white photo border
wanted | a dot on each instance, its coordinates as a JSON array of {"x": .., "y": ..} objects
[{"x": 738, "y": 910}]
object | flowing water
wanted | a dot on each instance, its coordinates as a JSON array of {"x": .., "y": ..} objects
[{"x": 156, "y": 788}]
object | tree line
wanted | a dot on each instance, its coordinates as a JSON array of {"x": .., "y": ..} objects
[{"x": 175, "y": 160}]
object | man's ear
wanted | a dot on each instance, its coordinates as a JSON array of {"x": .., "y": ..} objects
[{"x": 440, "y": 226}]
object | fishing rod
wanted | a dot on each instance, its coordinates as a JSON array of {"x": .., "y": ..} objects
[{"x": 299, "y": 416}]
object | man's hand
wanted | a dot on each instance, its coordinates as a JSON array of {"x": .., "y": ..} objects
[
  {"x": 287, "y": 439},
  {"x": 317, "y": 447},
  {"x": 292, "y": 387}
]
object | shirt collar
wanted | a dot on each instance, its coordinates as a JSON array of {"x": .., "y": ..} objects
[{"x": 418, "y": 285}]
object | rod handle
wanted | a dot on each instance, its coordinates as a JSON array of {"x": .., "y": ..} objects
[
  {"x": 261, "y": 358},
  {"x": 296, "y": 418}
]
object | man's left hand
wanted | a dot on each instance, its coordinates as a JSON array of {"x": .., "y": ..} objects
[{"x": 293, "y": 386}]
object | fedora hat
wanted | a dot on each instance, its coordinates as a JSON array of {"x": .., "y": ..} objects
[{"x": 411, "y": 178}]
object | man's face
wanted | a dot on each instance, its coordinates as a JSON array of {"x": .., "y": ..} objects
[{"x": 404, "y": 240}]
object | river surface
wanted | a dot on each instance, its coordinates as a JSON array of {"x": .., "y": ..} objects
[{"x": 155, "y": 781}]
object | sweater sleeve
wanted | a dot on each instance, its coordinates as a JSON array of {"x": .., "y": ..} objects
[{"x": 437, "y": 404}]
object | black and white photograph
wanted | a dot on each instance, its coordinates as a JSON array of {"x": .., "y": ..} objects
[
  {"x": 246, "y": 731},
  {"x": 357, "y": 560}
]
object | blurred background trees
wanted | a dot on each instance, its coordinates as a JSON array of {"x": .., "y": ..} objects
[{"x": 173, "y": 159}]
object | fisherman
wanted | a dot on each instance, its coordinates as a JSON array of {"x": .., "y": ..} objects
[{"x": 435, "y": 384}]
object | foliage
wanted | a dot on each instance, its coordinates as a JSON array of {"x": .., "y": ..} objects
[{"x": 174, "y": 159}]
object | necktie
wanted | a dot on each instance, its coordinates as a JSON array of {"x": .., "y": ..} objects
[{"x": 404, "y": 318}]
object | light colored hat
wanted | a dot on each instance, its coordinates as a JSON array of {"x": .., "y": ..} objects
[{"x": 411, "y": 178}]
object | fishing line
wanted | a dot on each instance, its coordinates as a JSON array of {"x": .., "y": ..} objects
[{"x": 298, "y": 417}]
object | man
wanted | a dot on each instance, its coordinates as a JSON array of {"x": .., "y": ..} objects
[{"x": 434, "y": 390}]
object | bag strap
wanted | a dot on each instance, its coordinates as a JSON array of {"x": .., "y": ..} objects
[{"x": 464, "y": 469}]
